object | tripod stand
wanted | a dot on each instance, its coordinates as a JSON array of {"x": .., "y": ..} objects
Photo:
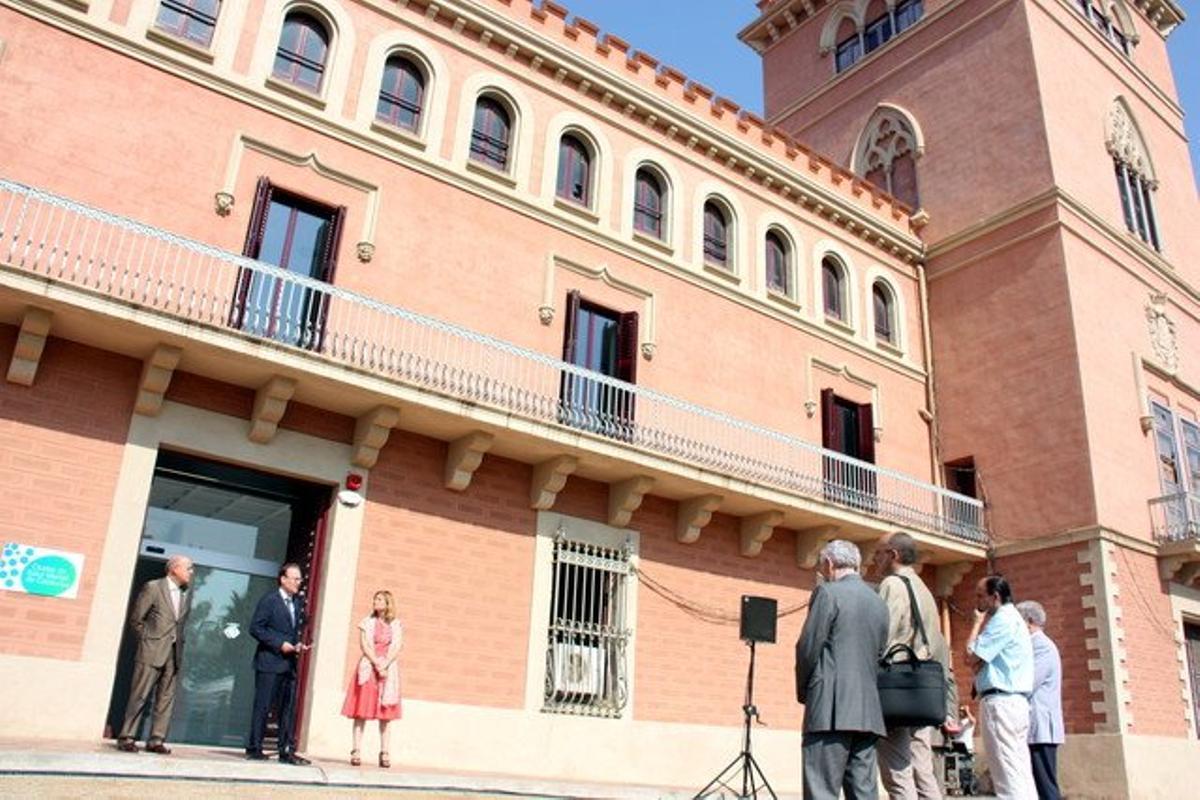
[{"x": 752, "y": 779}]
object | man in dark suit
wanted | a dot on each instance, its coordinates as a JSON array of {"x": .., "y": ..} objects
[
  {"x": 158, "y": 619},
  {"x": 277, "y": 625},
  {"x": 837, "y": 658}
]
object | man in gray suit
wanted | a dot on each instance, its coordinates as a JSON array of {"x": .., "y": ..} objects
[
  {"x": 158, "y": 619},
  {"x": 837, "y": 659},
  {"x": 1045, "y": 704}
]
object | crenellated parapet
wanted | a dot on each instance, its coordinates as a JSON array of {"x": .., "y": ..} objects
[{"x": 574, "y": 53}]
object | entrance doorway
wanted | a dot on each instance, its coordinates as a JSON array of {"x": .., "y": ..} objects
[{"x": 238, "y": 526}]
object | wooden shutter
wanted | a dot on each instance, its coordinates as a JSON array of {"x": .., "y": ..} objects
[
  {"x": 866, "y": 434},
  {"x": 627, "y": 347},
  {"x": 331, "y": 245},
  {"x": 569, "y": 323},
  {"x": 831, "y": 432},
  {"x": 258, "y": 218}
]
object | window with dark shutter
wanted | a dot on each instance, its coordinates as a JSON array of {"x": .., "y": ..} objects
[
  {"x": 297, "y": 235},
  {"x": 848, "y": 428},
  {"x": 602, "y": 341}
]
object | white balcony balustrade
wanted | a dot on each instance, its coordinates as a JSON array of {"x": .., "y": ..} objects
[
  {"x": 66, "y": 242},
  {"x": 1176, "y": 517}
]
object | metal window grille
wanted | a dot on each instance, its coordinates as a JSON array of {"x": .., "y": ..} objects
[{"x": 588, "y": 634}]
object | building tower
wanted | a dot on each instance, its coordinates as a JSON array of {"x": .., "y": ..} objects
[{"x": 1042, "y": 143}]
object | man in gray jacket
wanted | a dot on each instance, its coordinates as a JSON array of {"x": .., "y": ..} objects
[
  {"x": 837, "y": 659},
  {"x": 1045, "y": 704}
]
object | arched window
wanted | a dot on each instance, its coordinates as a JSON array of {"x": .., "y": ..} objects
[
  {"x": 574, "y": 170},
  {"x": 303, "y": 48},
  {"x": 491, "y": 133},
  {"x": 885, "y": 312},
  {"x": 779, "y": 269},
  {"x": 833, "y": 285},
  {"x": 648, "y": 203},
  {"x": 851, "y": 41},
  {"x": 191, "y": 20},
  {"x": 1136, "y": 183},
  {"x": 887, "y": 155},
  {"x": 1112, "y": 20},
  {"x": 716, "y": 234},
  {"x": 401, "y": 94}
]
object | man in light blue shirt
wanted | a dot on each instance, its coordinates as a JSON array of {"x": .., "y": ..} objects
[
  {"x": 1001, "y": 651},
  {"x": 1045, "y": 706}
]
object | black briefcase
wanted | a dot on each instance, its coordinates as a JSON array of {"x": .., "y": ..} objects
[{"x": 913, "y": 692}]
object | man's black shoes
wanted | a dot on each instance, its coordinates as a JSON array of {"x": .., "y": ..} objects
[
  {"x": 256, "y": 755},
  {"x": 293, "y": 759}
]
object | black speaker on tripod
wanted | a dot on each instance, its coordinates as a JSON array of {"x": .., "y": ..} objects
[
  {"x": 758, "y": 619},
  {"x": 757, "y": 625}
]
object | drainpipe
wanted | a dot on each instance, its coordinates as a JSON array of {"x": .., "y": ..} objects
[{"x": 930, "y": 411}]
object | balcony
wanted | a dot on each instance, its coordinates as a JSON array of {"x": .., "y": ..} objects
[
  {"x": 249, "y": 323},
  {"x": 1175, "y": 521}
]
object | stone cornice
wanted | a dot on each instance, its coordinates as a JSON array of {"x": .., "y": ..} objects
[
  {"x": 1076, "y": 536},
  {"x": 779, "y": 19},
  {"x": 1159, "y": 266}
]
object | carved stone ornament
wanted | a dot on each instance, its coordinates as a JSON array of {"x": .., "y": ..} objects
[
  {"x": 648, "y": 350},
  {"x": 546, "y": 314},
  {"x": 1124, "y": 143},
  {"x": 224, "y": 203},
  {"x": 366, "y": 251},
  {"x": 1162, "y": 333}
]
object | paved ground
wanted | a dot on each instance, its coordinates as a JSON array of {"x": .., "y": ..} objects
[{"x": 61, "y": 770}]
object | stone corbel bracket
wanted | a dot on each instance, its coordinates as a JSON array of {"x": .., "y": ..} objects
[
  {"x": 949, "y": 576},
  {"x": 463, "y": 457},
  {"x": 270, "y": 403},
  {"x": 549, "y": 478},
  {"x": 809, "y": 543},
  {"x": 1179, "y": 569},
  {"x": 756, "y": 530},
  {"x": 371, "y": 432},
  {"x": 157, "y": 371},
  {"x": 31, "y": 341},
  {"x": 694, "y": 514},
  {"x": 625, "y": 497}
]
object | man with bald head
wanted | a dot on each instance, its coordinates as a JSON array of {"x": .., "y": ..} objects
[
  {"x": 906, "y": 753},
  {"x": 158, "y": 619}
]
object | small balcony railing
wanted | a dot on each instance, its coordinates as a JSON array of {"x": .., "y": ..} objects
[
  {"x": 66, "y": 242},
  {"x": 1176, "y": 517}
]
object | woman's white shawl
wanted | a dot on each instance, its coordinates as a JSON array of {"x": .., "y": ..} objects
[{"x": 391, "y": 682}]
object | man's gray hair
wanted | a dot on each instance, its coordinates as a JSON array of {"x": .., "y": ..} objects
[
  {"x": 1032, "y": 611},
  {"x": 905, "y": 547},
  {"x": 174, "y": 560},
  {"x": 842, "y": 554}
]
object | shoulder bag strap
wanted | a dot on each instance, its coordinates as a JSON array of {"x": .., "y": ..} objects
[{"x": 916, "y": 612}]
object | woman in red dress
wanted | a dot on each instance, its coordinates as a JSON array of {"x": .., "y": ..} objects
[{"x": 374, "y": 691}]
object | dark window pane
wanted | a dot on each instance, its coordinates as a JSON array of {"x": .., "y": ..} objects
[
  {"x": 648, "y": 205},
  {"x": 882, "y": 302},
  {"x": 400, "y": 94},
  {"x": 907, "y": 14},
  {"x": 847, "y": 53},
  {"x": 777, "y": 264},
  {"x": 303, "y": 47},
  {"x": 831, "y": 280},
  {"x": 193, "y": 20},
  {"x": 574, "y": 171},
  {"x": 877, "y": 32},
  {"x": 716, "y": 235},
  {"x": 490, "y": 134}
]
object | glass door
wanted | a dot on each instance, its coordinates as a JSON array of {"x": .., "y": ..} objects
[{"x": 238, "y": 528}]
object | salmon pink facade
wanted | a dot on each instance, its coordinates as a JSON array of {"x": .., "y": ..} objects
[
  {"x": 1053, "y": 177},
  {"x": 473, "y": 302}
]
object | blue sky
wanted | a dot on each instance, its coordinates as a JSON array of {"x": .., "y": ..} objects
[{"x": 699, "y": 37}]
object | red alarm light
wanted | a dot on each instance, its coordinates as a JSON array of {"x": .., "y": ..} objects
[{"x": 354, "y": 481}]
